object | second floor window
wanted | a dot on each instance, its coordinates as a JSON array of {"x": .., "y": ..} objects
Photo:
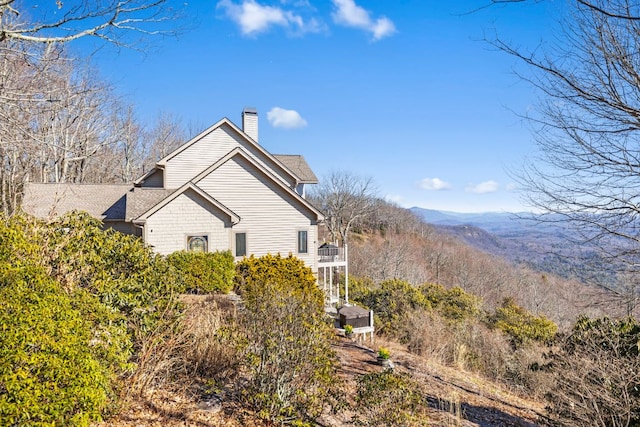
[{"x": 302, "y": 242}]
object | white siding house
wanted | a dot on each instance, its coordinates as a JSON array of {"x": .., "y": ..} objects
[{"x": 219, "y": 191}]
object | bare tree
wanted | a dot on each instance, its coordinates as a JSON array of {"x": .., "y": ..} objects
[
  {"x": 596, "y": 372},
  {"x": 65, "y": 21},
  {"x": 54, "y": 118},
  {"x": 130, "y": 146},
  {"x": 76, "y": 123},
  {"x": 345, "y": 199},
  {"x": 121, "y": 159},
  {"x": 611, "y": 9},
  {"x": 166, "y": 134},
  {"x": 587, "y": 171}
]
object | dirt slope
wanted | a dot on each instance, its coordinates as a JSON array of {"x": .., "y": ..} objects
[{"x": 455, "y": 398}]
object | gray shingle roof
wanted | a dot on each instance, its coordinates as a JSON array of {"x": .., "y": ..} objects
[
  {"x": 140, "y": 200},
  {"x": 299, "y": 166},
  {"x": 102, "y": 201}
]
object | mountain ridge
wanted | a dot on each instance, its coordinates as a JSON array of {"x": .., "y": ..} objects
[{"x": 517, "y": 237}]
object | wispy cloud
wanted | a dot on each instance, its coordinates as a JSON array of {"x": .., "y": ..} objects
[
  {"x": 434, "y": 184},
  {"x": 254, "y": 18},
  {"x": 483, "y": 187},
  {"x": 348, "y": 13},
  {"x": 288, "y": 119}
]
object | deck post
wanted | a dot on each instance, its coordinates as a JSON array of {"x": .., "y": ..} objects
[{"x": 346, "y": 274}]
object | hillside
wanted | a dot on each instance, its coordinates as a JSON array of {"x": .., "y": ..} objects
[
  {"x": 464, "y": 330},
  {"x": 455, "y": 397},
  {"x": 398, "y": 244},
  {"x": 514, "y": 237}
]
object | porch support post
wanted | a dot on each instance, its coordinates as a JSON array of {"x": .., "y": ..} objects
[
  {"x": 330, "y": 284},
  {"x": 346, "y": 274}
]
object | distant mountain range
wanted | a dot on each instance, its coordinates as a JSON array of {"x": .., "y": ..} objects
[{"x": 513, "y": 236}]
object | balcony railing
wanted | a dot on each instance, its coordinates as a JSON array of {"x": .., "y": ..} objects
[{"x": 331, "y": 254}]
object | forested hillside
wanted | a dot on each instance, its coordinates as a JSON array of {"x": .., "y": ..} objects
[{"x": 394, "y": 243}]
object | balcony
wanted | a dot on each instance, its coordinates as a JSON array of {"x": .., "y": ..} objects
[{"x": 330, "y": 255}]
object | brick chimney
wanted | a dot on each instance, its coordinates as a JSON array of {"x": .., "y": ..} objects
[{"x": 250, "y": 122}]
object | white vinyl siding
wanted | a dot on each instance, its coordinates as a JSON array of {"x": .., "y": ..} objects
[
  {"x": 193, "y": 160},
  {"x": 154, "y": 180},
  {"x": 187, "y": 215},
  {"x": 270, "y": 215}
]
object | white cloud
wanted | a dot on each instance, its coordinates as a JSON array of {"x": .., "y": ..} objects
[
  {"x": 288, "y": 119},
  {"x": 348, "y": 13},
  {"x": 253, "y": 17},
  {"x": 434, "y": 184},
  {"x": 512, "y": 186},
  {"x": 483, "y": 187}
]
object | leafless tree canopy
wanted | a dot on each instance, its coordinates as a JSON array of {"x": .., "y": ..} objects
[
  {"x": 345, "y": 199},
  {"x": 59, "y": 122},
  {"x": 587, "y": 172}
]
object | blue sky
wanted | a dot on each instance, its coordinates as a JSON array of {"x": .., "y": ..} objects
[{"x": 404, "y": 91}]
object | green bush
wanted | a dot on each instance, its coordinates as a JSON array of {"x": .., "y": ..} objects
[
  {"x": 50, "y": 367},
  {"x": 117, "y": 269},
  {"x": 522, "y": 326},
  {"x": 359, "y": 288},
  {"x": 252, "y": 272},
  {"x": 392, "y": 301},
  {"x": 395, "y": 302},
  {"x": 389, "y": 399},
  {"x": 453, "y": 304},
  {"x": 205, "y": 272},
  {"x": 288, "y": 354},
  {"x": 76, "y": 305}
]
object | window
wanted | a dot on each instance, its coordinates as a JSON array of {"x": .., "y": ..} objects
[
  {"x": 302, "y": 242},
  {"x": 241, "y": 244},
  {"x": 197, "y": 243}
]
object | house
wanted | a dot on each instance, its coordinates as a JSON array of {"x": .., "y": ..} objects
[{"x": 219, "y": 191}]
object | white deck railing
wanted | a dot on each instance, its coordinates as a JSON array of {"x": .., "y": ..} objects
[{"x": 333, "y": 254}]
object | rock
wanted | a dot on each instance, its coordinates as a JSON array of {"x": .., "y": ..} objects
[{"x": 212, "y": 404}]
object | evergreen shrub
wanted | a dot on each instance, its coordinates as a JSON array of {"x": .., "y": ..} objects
[
  {"x": 522, "y": 326},
  {"x": 453, "y": 304},
  {"x": 205, "y": 272},
  {"x": 77, "y": 303},
  {"x": 288, "y": 355},
  {"x": 48, "y": 373},
  {"x": 392, "y": 301},
  {"x": 388, "y": 398}
]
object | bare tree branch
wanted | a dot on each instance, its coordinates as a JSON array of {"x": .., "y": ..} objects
[
  {"x": 345, "y": 199},
  {"x": 587, "y": 127},
  {"x": 110, "y": 20}
]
